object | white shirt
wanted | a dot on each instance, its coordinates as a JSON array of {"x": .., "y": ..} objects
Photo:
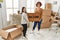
[{"x": 24, "y": 18}]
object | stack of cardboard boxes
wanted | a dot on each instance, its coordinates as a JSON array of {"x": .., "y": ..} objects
[
  {"x": 46, "y": 16},
  {"x": 48, "y": 6}
]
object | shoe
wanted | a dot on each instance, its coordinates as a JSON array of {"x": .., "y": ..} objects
[
  {"x": 38, "y": 32},
  {"x": 26, "y": 37},
  {"x": 32, "y": 32},
  {"x": 23, "y": 37}
]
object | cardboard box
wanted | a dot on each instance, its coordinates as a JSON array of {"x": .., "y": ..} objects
[
  {"x": 46, "y": 12},
  {"x": 15, "y": 19},
  {"x": 56, "y": 13},
  {"x": 37, "y": 17},
  {"x": 48, "y": 6},
  {"x": 30, "y": 16},
  {"x": 33, "y": 16},
  {"x": 46, "y": 25},
  {"x": 11, "y": 32},
  {"x": 46, "y": 19}
]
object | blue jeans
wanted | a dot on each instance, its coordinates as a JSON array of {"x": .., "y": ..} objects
[{"x": 39, "y": 24}]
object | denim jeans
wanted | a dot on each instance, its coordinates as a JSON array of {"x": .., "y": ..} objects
[{"x": 39, "y": 24}]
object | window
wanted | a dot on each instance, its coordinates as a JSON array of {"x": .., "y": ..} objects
[
  {"x": 8, "y": 3},
  {"x": 30, "y": 5},
  {"x": 11, "y": 7},
  {"x": 43, "y": 3}
]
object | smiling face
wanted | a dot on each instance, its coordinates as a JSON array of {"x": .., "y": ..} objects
[
  {"x": 38, "y": 5},
  {"x": 23, "y": 9}
]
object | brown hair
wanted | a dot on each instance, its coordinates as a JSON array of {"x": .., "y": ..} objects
[
  {"x": 39, "y": 3},
  {"x": 23, "y": 9}
]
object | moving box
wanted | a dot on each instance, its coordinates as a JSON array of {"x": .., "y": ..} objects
[
  {"x": 11, "y": 32},
  {"x": 46, "y": 19},
  {"x": 46, "y": 12},
  {"x": 46, "y": 25},
  {"x": 30, "y": 16},
  {"x": 33, "y": 17},
  {"x": 15, "y": 19},
  {"x": 48, "y": 6}
]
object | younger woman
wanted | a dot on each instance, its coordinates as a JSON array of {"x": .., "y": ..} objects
[{"x": 24, "y": 20}]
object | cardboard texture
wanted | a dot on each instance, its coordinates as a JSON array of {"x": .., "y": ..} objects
[
  {"x": 46, "y": 12},
  {"x": 13, "y": 34},
  {"x": 37, "y": 17},
  {"x": 48, "y": 6},
  {"x": 46, "y": 19},
  {"x": 33, "y": 16},
  {"x": 15, "y": 19},
  {"x": 46, "y": 25},
  {"x": 30, "y": 16},
  {"x": 46, "y": 22}
]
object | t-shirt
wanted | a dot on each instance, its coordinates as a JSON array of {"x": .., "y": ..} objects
[{"x": 24, "y": 18}]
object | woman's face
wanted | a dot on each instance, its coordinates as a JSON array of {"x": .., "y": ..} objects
[
  {"x": 38, "y": 5},
  {"x": 24, "y": 10}
]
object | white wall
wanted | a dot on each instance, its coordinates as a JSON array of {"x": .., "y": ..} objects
[
  {"x": 54, "y": 7},
  {"x": 3, "y": 17},
  {"x": 24, "y": 3}
]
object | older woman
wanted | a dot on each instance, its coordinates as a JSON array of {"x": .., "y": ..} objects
[{"x": 38, "y": 10}]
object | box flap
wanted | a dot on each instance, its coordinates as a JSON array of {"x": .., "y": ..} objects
[
  {"x": 10, "y": 30},
  {"x": 19, "y": 26},
  {"x": 3, "y": 34},
  {"x": 9, "y": 27},
  {"x": 15, "y": 33}
]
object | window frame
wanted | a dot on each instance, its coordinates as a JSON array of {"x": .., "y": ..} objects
[
  {"x": 13, "y": 9},
  {"x": 30, "y": 8}
]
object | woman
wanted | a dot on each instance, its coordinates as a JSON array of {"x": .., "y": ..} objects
[
  {"x": 38, "y": 10},
  {"x": 24, "y": 21}
]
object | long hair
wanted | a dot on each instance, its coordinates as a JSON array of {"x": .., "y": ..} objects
[{"x": 23, "y": 9}]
